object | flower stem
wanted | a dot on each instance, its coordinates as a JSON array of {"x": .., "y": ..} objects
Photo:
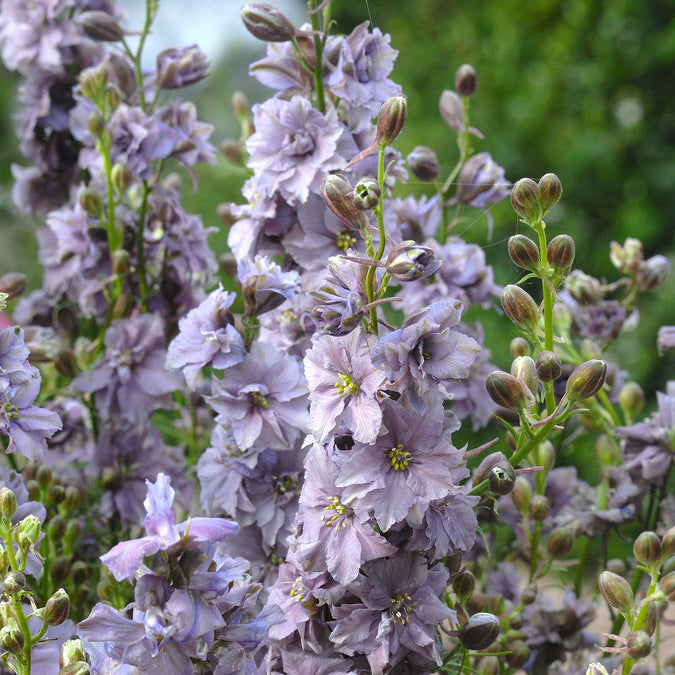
[
  {"x": 318, "y": 58},
  {"x": 370, "y": 275}
]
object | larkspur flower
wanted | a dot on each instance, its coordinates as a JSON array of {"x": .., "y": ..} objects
[
  {"x": 265, "y": 285},
  {"x": 343, "y": 385}
]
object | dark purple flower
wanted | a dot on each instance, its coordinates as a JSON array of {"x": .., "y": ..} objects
[{"x": 294, "y": 147}]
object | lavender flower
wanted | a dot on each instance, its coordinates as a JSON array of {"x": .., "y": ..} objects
[
  {"x": 206, "y": 336},
  {"x": 343, "y": 384},
  {"x": 177, "y": 68},
  {"x": 294, "y": 147},
  {"x": 264, "y": 285}
]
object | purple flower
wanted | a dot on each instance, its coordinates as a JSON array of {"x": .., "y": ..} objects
[
  {"x": 130, "y": 379},
  {"x": 160, "y": 524},
  {"x": 343, "y": 384},
  {"x": 418, "y": 218},
  {"x": 410, "y": 465},
  {"x": 178, "y": 68},
  {"x": 264, "y": 285},
  {"x": 206, "y": 336},
  {"x": 262, "y": 398},
  {"x": 333, "y": 536},
  {"x": 294, "y": 147},
  {"x": 397, "y": 612}
]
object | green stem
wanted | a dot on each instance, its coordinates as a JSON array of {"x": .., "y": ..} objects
[
  {"x": 318, "y": 58},
  {"x": 140, "y": 248},
  {"x": 370, "y": 275}
]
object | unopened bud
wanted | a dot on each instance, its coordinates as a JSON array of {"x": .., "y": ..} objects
[
  {"x": 522, "y": 493},
  {"x": 523, "y": 252},
  {"x": 336, "y": 192},
  {"x": 631, "y": 399},
  {"x": 667, "y": 586},
  {"x": 480, "y": 631},
  {"x": 560, "y": 542},
  {"x": 560, "y": 254},
  {"x": 540, "y": 508},
  {"x": 549, "y": 366},
  {"x": 466, "y": 80},
  {"x": 584, "y": 288},
  {"x": 647, "y": 548},
  {"x": 56, "y": 527},
  {"x": 95, "y": 124},
  {"x": 100, "y": 26},
  {"x": 562, "y": 318},
  {"x": 240, "y": 105},
  {"x": 464, "y": 584},
  {"x": 14, "y": 582},
  {"x": 586, "y": 380},
  {"x": 488, "y": 665},
  {"x": 390, "y": 120},
  {"x": 525, "y": 200},
  {"x": 224, "y": 212},
  {"x": 91, "y": 202},
  {"x": 616, "y": 591},
  {"x": 452, "y": 110},
  {"x": 121, "y": 262},
  {"x": 233, "y": 152},
  {"x": 72, "y": 651},
  {"x": 501, "y": 479},
  {"x": 524, "y": 369},
  {"x": 652, "y": 273},
  {"x": 423, "y": 163},
  {"x": 121, "y": 176},
  {"x": 122, "y": 306},
  {"x": 367, "y": 194},
  {"x": 30, "y": 527},
  {"x": 638, "y": 645},
  {"x": 550, "y": 190},
  {"x": 408, "y": 261},
  {"x": 519, "y": 347},
  {"x": 8, "y": 503},
  {"x": 11, "y": 640},
  {"x": 520, "y": 307},
  {"x": 668, "y": 543},
  {"x": 57, "y": 608},
  {"x": 626, "y": 258},
  {"x": 545, "y": 455},
  {"x": 178, "y": 68},
  {"x": 44, "y": 476},
  {"x": 508, "y": 391},
  {"x": 519, "y": 654},
  {"x": 266, "y": 22}
]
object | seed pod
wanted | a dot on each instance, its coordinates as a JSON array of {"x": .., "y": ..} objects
[
  {"x": 508, "y": 391},
  {"x": 647, "y": 548},
  {"x": 549, "y": 366},
  {"x": 266, "y": 22},
  {"x": 520, "y": 307},
  {"x": 638, "y": 645},
  {"x": 523, "y": 252},
  {"x": 616, "y": 591},
  {"x": 390, "y": 120},
  {"x": 586, "y": 380},
  {"x": 480, "y": 631},
  {"x": 525, "y": 200},
  {"x": 366, "y": 194},
  {"x": 423, "y": 163},
  {"x": 466, "y": 80},
  {"x": 550, "y": 190}
]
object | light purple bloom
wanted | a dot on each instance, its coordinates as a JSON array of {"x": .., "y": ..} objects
[
  {"x": 264, "y": 285},
  {"x": 160, "y": 523},
  {"x": 343, "y": 384},
  {"x": 206, "y": 336},
  {"x": 294, "y": 147}
]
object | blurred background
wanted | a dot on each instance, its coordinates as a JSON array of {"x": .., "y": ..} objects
[{"x": 583, "y": 88}]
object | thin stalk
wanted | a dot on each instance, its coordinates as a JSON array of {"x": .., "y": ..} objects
[
  {"x": 318, "y": 58},
  {"x": 370, "y": 275}
]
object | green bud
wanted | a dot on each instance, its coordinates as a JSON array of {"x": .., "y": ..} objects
[
  {"x": 56, "y": 494},
  {"x": 367, "y": 194},
  {"x": 586, "y": 380},
  {"x": 502, "y": 479},
  {"x": 78, "y": 668},
  {"x": 626, "y": 258},
  {"x": 525, "y": 200},
  {"x": 523, "y": 252},
  {"x": 337, "y": 193},
  {"x": 668, "y": 543},
  {"x": 408, "y": 261},
  {"x": 616, "y": 591},
  {"x": 11, "y": 640},
  {"x": 560, "y": 542},
  {"x": 466, "y": 80},
  {"x": 266, "y": 22},
  {"x": 480, "y": 631},
  {"x": 562, "y": 318},
  {"x": 488, "y": 665},
  {"x": 638, "y": 645},
  {"x": 549, "y": 366},
  {"x": 14, "y": 582},
  {"x": 56, "y": 527},
  {"x": 12, "y": 284},
  {"x": 508, "y": 391},
  {"x": 121, "y": 262},
  {"x": 651, "y": 619},
  {"x": 560, "y": 254},
  {"x": 520, "y": 307},
  {"x": 529, "y": 594},
  {"x": 584, "y": 288},
  {"x": 100, "y": 26},
  {"x": 652, "y": 273},
  {"x": 423, "y": 163},
  {"x": 390, "y": 120},
  {"x": 30, "y": 528},
  {"x": 464, "y": 584},
  {"x": 545, "y": 455},
  {"x": 605, "y": 451},
  {"x": 121, "y": 176},
  {"x": 8, "y": 503},
  {"x": 44, "y": 476},
  {"x": 550, "y": 190},
  {"x": 520, "y": 653},
  {"x": 79, "y": 573},
  {"x": 516, "y": 621},
  {"x": 667, "y": 586},
  {"x": 240, "y": 105},
  {"x": 57, "y": 608},
  {"x": 647, "y": 548},
  {"x": 59, "y": 569},
  {"x": 519, "y": 347},
  {"x": 91, "y": 202},
  {"x": 540, "y": 508},
  {"x": 524, "y": 369},
  {"x": 72, "y": 651},
  {"x": 522, "y": 493},
  {"x": 631, "y": 399}
]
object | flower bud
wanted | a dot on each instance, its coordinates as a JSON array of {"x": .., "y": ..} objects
[
  {"x": 616, "y": 591},
  {"x": 91, "y": 202},
  {"x": 480, "y": 631},
  {"x": 668, "y": 543},
  {"x": 488, "y": 665},
  {"x": 540, "y": 508},
  {"x": 95, "y": 124},
  {"x": 560, "y": 254},
  {"x": 667, "y": 586},
  {"x": 121, "y": 176},
  {"x": 11, "y": 640},
  {"x": 12, "y": 284},
  {"x": 584, "y": 288},
  {"x": 464, "y": 584},
  {"x": 525, "y": 200},
  {"x": 178, "y": 68},
  {"x": 466, "y": 80},
  {"x": 390, "y": 120},
  {"x": 529, "y": 594},
  {"x": 524, "y": 369},
  {"x": 99, "y": 25},
  {"x": 522, "y": 493},
  {"x": 452, "y": 110},
  {"x": 549, "y": 366},
  {"x": 266, "y": 23},
  {"x": 56, "y": 527},
  {"x": 30, "y": 528},
  {"x": 520, "y": 307},
  {"x": 508, "y": 391},
  {"x": 520, "y": 653},
  {"x": 652, "y": 273},
  {"x": 367, "y": 194},
  {"x": 523, "y": 252},
  {"x": 550, "y": 190},
  {"x": 233, "y": 152},
  {"x": 562, "y": 318},
  {"x": 626, "y": 258},
  {"x": 336, "y": 192},
  {"x": 519, "y": 347},
  {"x": 638, "y": 645},
  {"x": 14, "y": 582},
  {"x": 631, "y": 399},
  {"x": 240, "y": 105},
  {"x": 647, "y": 548},
  {"x": 121, "y": 262},
  {"x": 57, "y": 608},
  {"x": 560, "y": 542},
  {"x": 408, "y": 261},
  {"x": 44, "y": 476},
  {"x": 72, "y": 651},
  {"x": 586, "y": 380},
  {"x": 545, "y": 455},
  {"x": 423, "y": 163},
  {"x": 502, "y": 478},
  {"x": 8, "y": 504},
  {"x": 77, "y": 668}
]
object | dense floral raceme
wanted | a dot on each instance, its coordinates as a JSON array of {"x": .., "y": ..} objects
[{"x": 295, "y": 456}]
